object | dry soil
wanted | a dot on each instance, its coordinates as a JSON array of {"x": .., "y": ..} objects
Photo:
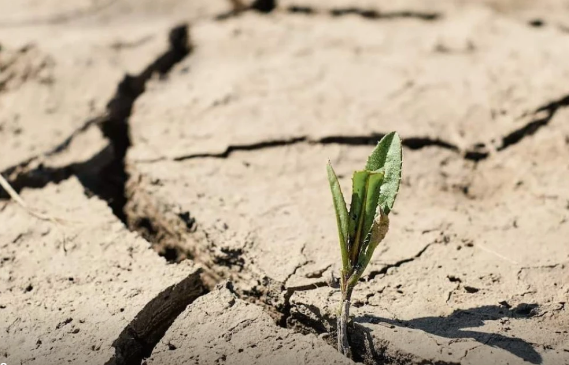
[{"x": 180, "y": 147}]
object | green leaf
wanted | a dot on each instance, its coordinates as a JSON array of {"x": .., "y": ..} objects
[
  {"x": 371, "y": 194},
  {"x": 357, "y": 212},
  {"x": 341, "y": 214},
  {"x": 377, "y": 233},
  {"x": 365, "y": 195},
  {"x": 388, "y": 155},
  {"x": 372, "y": 200}
]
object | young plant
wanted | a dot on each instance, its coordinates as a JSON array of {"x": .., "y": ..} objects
[{"x": 360, "y": 230}]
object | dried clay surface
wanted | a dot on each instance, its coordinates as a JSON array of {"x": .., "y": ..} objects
[
  {"x": 220, "y": 328},
  {"x": 180, "y": 148},
  {"x": 67, "y": 289}
]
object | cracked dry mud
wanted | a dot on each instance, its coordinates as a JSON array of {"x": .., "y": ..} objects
[{"x": 182, "y": 148}]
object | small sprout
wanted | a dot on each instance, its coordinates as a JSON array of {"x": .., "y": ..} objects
[{"x": 360, "y": 230}]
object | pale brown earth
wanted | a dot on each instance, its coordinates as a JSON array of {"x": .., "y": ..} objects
[
  {"x": 186, "y": 130},
  {"x": 67, "y": 290},
  {"x": 220, "y": 328}
]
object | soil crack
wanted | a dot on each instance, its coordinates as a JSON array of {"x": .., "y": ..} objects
[
  {"x": 309, "y": 319},
  {"x": 379, "y": 15},
  {"x": 23, "y": 174},
  {"x": 287, "y": 307},
  {"x": 532, "y": 127},
  {"x": 138, "y": 339},
  {"x": 269, "y": 6},
  {"x": 399, "y": 263},
  {"x": 104, "y": 174},
  {"x": 244, "y": 147},
  {"x": 477, "y": 152},
  {"x": 116, "y": 126},
  {"x": 413, "y": 143}
]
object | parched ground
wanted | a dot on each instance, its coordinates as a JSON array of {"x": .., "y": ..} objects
[{"x": 179, "y": 148}]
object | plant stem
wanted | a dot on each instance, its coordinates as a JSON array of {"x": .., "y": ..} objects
[{"x": 343, "y": 318}]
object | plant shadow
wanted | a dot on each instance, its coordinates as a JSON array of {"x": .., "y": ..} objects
[{"x": 454, "y": 326}]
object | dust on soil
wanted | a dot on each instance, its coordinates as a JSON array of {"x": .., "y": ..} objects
[{"x": 209, "y": 141}]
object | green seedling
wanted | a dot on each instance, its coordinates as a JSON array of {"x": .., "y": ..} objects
[{"x": 360, "y": 230}]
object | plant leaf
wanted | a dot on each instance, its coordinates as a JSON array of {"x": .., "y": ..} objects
[
  {"x": 341, "y": 214},
  {"x": 388, "y": 155},
  {"x": 372, "y": 200},
  {"x": 378, "y": 231},
  {"x": 357, "y": 209}
]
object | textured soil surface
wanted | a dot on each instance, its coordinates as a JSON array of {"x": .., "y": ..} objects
[{"x": 176, "y": 151}]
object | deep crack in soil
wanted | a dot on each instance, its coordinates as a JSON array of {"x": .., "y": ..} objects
[
  {"x": 104, "y": 174},
  {"x": 116, "y": 127},
  {"x": 138, "y": 339}
]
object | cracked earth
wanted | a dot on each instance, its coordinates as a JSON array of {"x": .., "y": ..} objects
[{"x": 181, "y": 145}]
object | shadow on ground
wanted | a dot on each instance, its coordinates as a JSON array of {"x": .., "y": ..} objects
[{"x": 454, "y": 326}]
